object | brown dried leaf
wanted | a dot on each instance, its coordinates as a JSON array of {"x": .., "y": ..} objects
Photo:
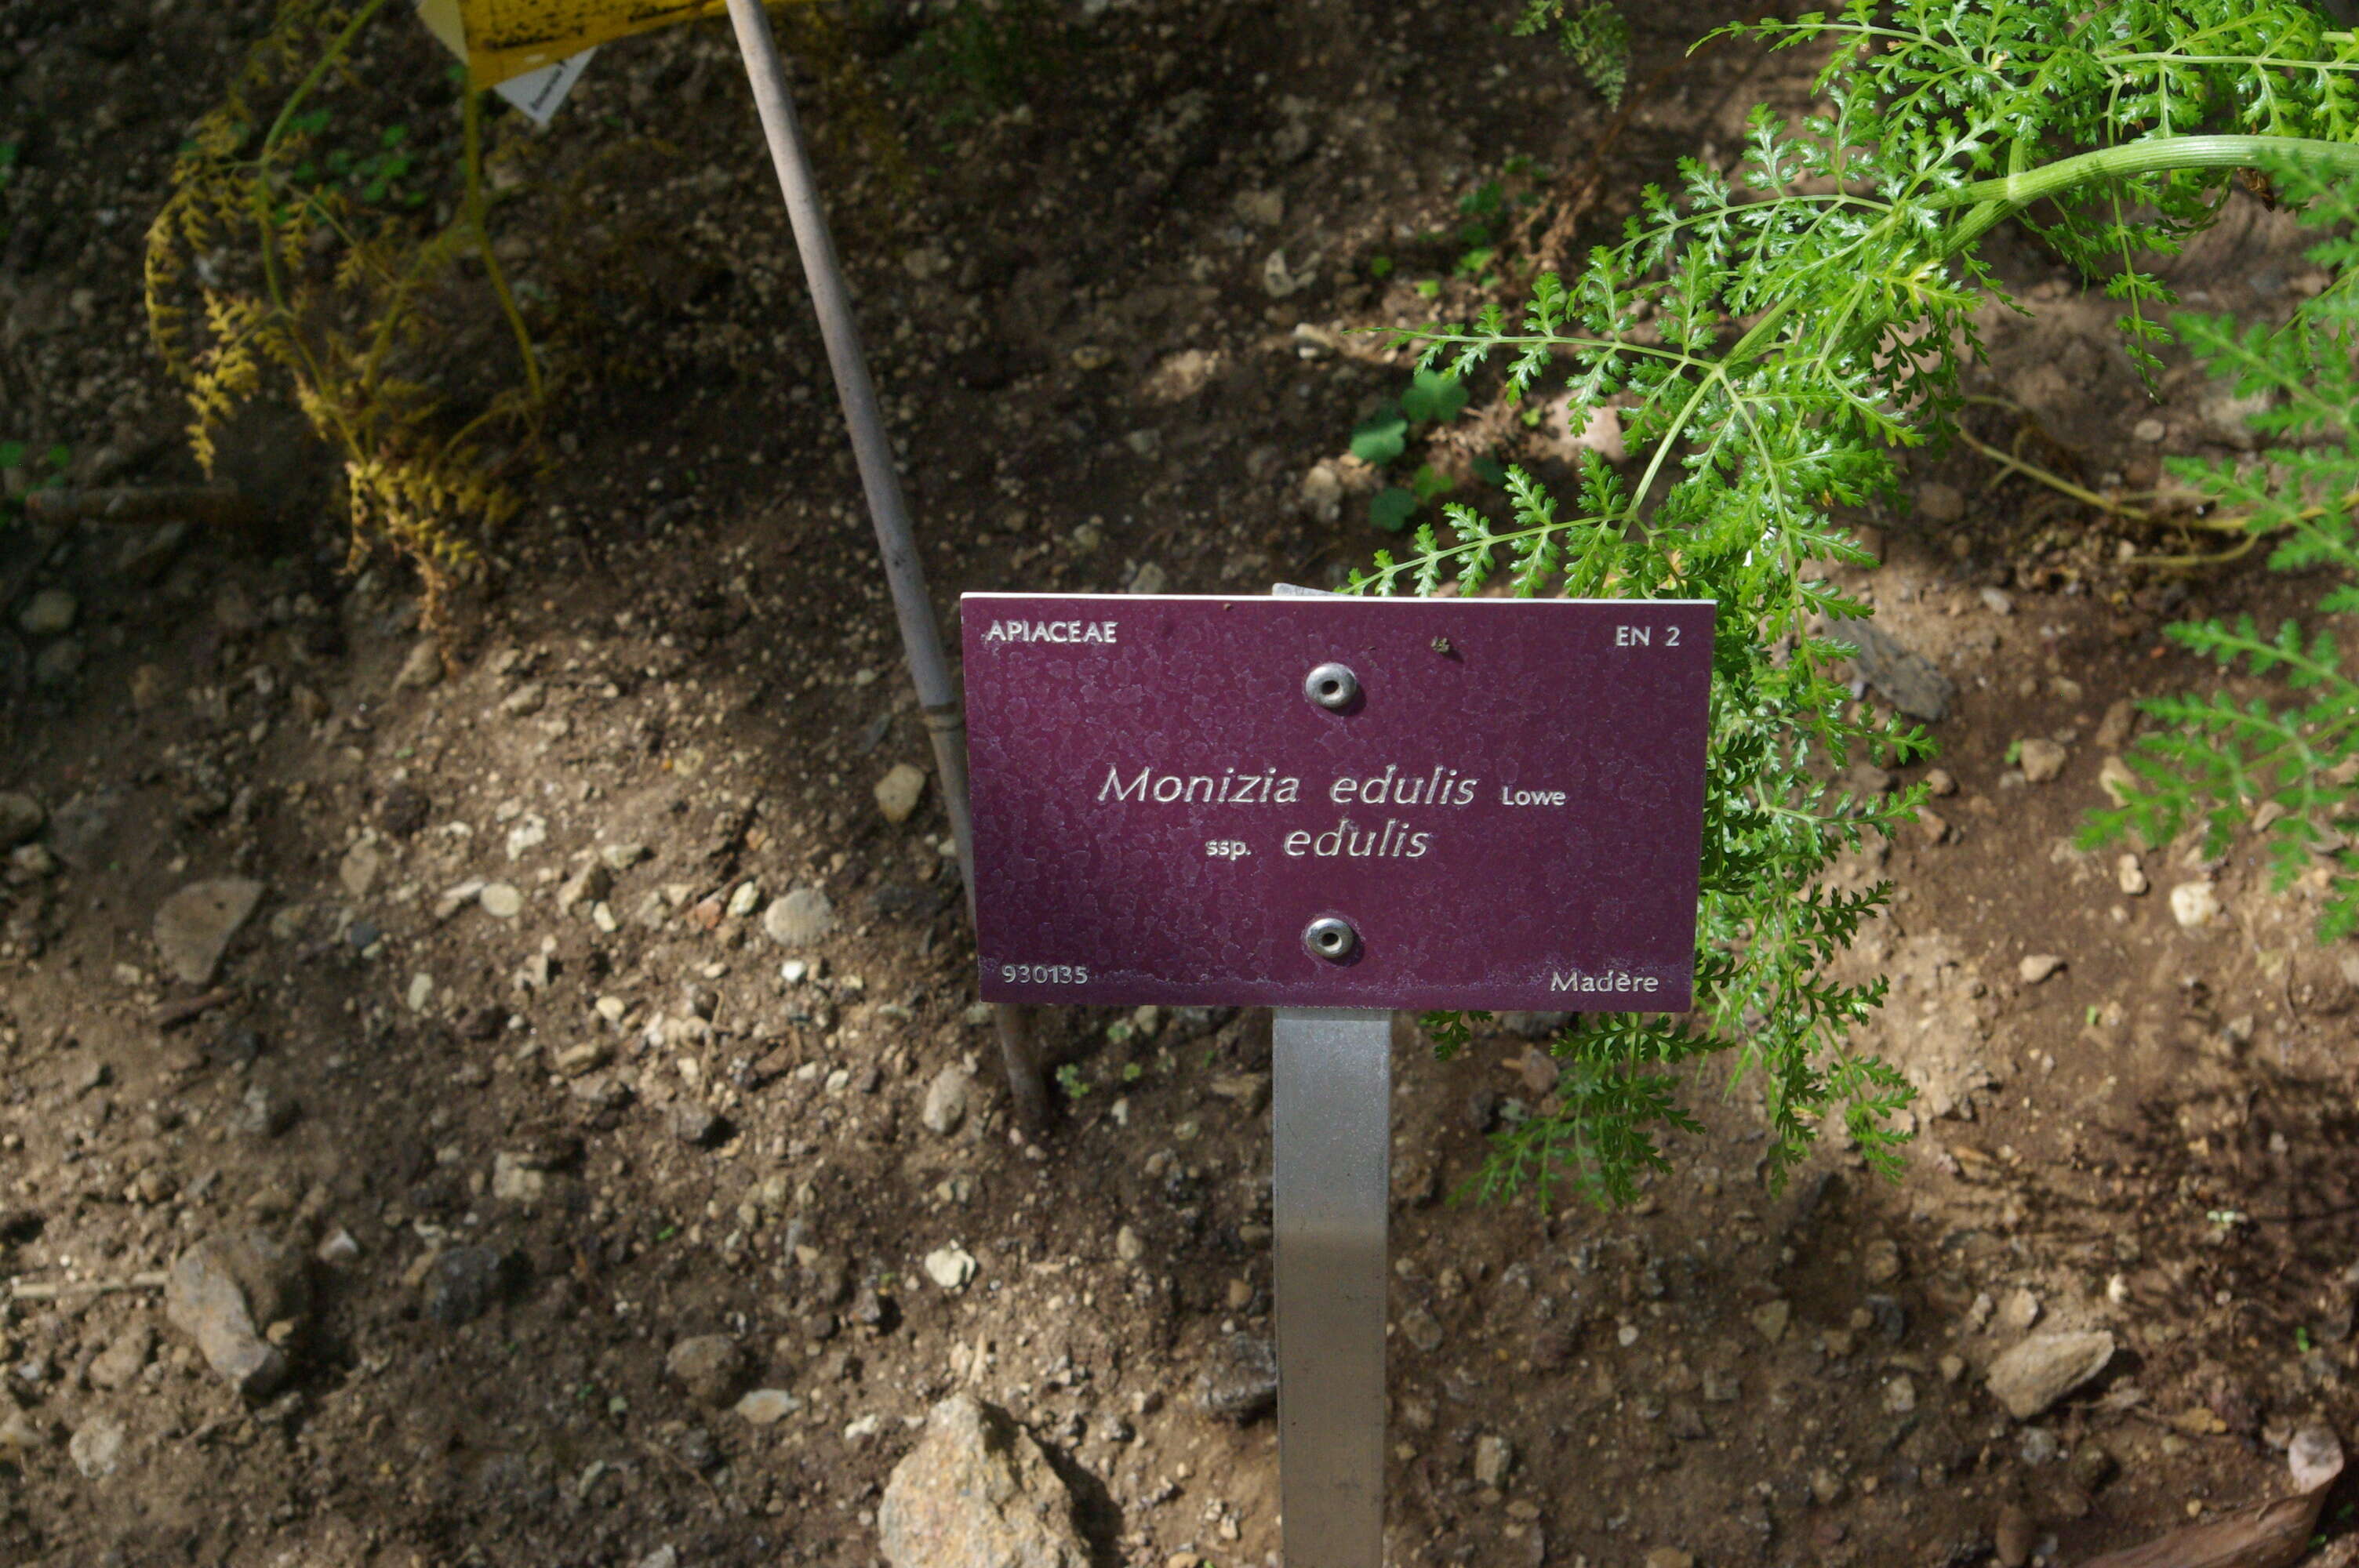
[{"x": 2271, "y": 1535}]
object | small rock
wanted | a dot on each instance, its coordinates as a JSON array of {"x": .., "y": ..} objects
[
  {"x": 1322, "y": 493},
  {"x": 125, "y": 1359},
  {"x": 1240, "y": 1385},
  {"x": 1997, "y": 601},
  {"x": 1149, "y": 579},
  {"x": 802, "y": 917},
  {"x": 1669, "y": 1557},
  {"x": 501, "y": 900},
  {"x": 526, "y": 837},
  {"x": 2035, "y": 1374},
  {"x": 2091, "y": 1466},
  {"x": 1263, "y": 209},
  {"x": 96, "y": 1448},
  {"x": 2041, "y": 759},
  {"x": 2014, "y": 1536},
  {"x": 695, "y": 1124},
  {"x": 2130, "y": 877},
  {"x": 265, "y": 1113},
  {"x": 1278, "y": 280},
  {"x": 1939, "y": 503},
  {"x": 422, "y": 669},
  {"x": 2194, "y": 904},
  {"x": 20, "y": 817},
  {"x": 1772, "y": 1319},
  {"x": 50, "y": 614},
  {"x": 1493, "y": 1458},
  {"x": 463, "y": 1283},
  {"x": 2019, "y": 1312},
  {"x": 1907, "y": 680},
  {"x": 1938, "y": 783},
  {"x": 898, "y": 792},
  {"x": 977, "y": 1492},
  {"x": 517, "y": 1181},
  {"x": 2120, "y": 722},
  {"x": 358, "y": 871},
  {"x": 2037, "y": 966},
  {"x": 708, "y": 1366},
  {"x": 19, "y": 1434},
  {"x": 767, "y": 1407},
  {"x": 225, "y": 1293},
  {"x": 623, "y": 857},
  {"x": 194, "y": 925},
  {"x": 588, "y": 885},
  {"x": 1127, "y": 1246},
  {"x": 1421, "y": 1329},
  {"x": 585, "y": 1057},
  {"x": 949, "y": 1267},
  {"x": 1880, "y": 1261},
  {"x": 1900, "y": 1396},
  {"x": 946, "y": 1102}
]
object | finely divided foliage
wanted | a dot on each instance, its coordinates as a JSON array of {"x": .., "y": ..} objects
[
  {"x": 1772, "y": 337},
  {"x": 2289, "y": 771}
]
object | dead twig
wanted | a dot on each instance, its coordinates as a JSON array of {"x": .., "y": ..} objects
[
  {"x": 172, "y": 1014},
  {"x": 60, "y": 1289}
]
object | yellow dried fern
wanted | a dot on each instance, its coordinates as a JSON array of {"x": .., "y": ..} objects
[{"x": 255, "y": 277}]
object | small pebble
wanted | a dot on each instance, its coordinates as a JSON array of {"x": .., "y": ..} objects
[
  {"x": 2038, "y": 966},
  {"x": 1939, "y": 503},
  {"x": 2194, "y": 904},
  {"x": 898, "y": 792},
  {"x": 949, "y": 1267},
  {"x": 50, "y": 615},
  {"x": 2041, "y": 759}
]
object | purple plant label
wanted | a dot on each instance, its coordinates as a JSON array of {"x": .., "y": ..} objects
[{"x": 1338, "y": 802}]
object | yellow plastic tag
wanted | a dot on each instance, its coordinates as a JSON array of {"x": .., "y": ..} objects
[{"x": 504, "y": 38}]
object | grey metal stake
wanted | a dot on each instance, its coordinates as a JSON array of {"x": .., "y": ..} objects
[
  {"x": 921, "y": 642},
  {"x": 1330, "y": 1125}
]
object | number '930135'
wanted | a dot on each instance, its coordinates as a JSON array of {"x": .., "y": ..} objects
[{"x": 1045, "y": 974}]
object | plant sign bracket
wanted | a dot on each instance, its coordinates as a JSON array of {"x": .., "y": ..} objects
[{"x": 1336, "y": 807}]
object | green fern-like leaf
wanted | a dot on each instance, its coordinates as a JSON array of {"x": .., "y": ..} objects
[
  {"x": 1593, "y": 33},
  {"x": 1773, "y": 335}
]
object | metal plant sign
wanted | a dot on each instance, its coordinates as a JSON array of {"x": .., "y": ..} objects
[{"x": 1336, "y": 807}]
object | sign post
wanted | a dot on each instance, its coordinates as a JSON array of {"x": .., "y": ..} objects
[
  {"x": 1331, "y": 1121},
  {"x": 1336, "y": 807}
]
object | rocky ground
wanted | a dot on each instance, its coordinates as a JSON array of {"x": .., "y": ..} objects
[{"x": 510, "y": 1092}]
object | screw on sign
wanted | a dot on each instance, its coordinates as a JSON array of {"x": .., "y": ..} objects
[{"x": 1337, "y": 808}]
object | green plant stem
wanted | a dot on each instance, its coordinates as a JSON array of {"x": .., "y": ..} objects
[
  {"x": 265, "y": 226},
  {"x": 2000, "y": 198},
  {"x": 472, "y": 120}
]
